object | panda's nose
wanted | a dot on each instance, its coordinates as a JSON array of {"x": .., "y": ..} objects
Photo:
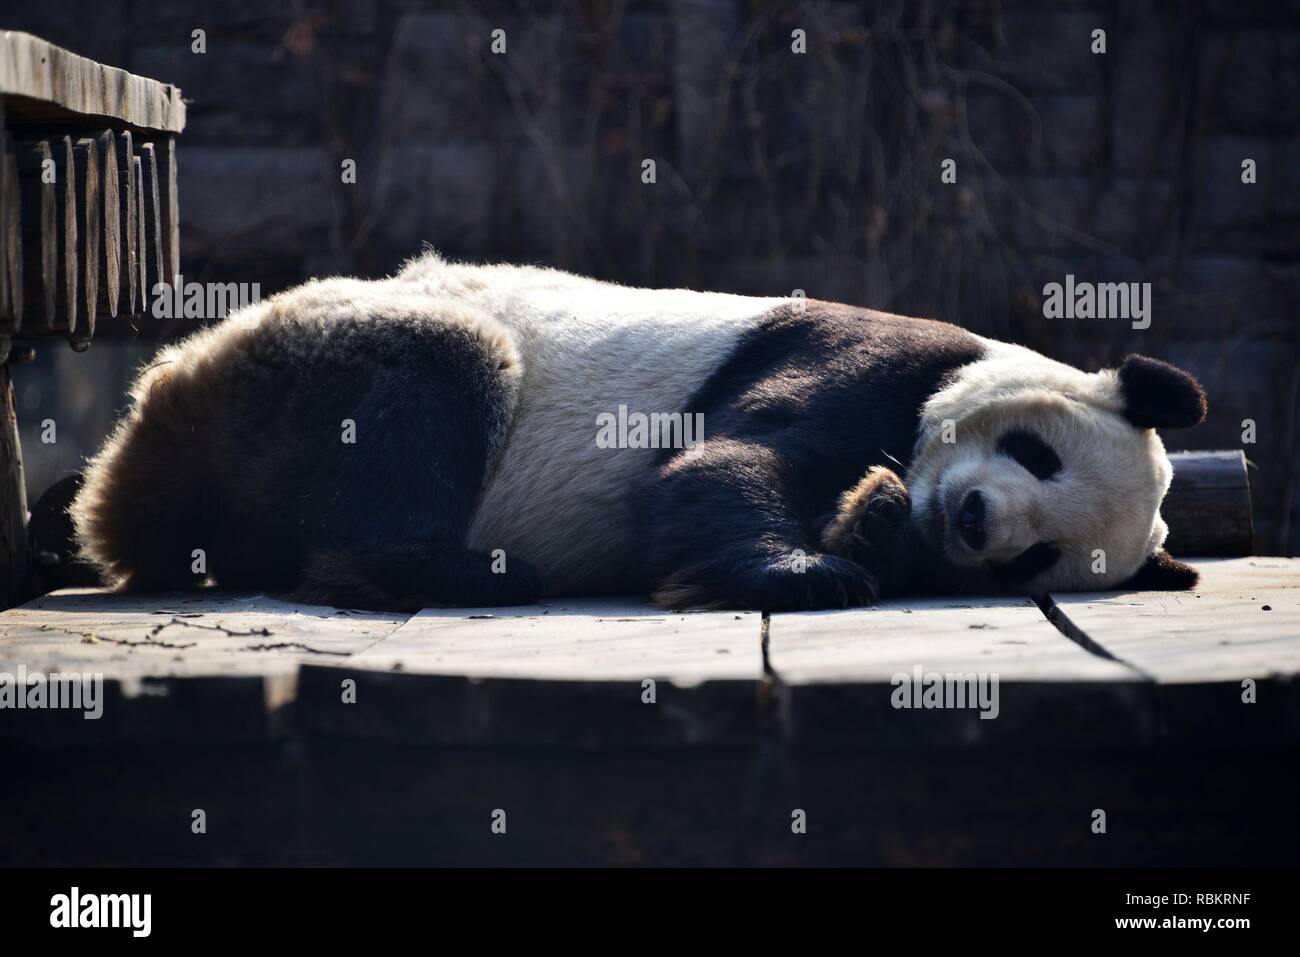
[{"x": 970, "y": 520}]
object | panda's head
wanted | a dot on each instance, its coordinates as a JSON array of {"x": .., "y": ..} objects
[{"x": 1050, "y": 478}]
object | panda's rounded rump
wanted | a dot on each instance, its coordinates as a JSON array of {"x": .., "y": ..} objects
[{"x": 313, "y": 417}]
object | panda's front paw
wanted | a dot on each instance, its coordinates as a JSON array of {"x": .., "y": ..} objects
[{"x": 869, "y": 521}]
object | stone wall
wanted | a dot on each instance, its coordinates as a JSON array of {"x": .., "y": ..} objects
[{"x": 774, "y": 170}]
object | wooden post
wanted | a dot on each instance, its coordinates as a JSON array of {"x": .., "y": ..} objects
[
  {"x": 11, "y": 239},
  {"x": 14, "y": 569},
  {"x": 9, "y": 316}
]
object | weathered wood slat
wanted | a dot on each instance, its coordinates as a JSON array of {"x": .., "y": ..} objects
[
  {"x": 130, "y": 221},
  {"x": 65, "y": 192},
  {"x": 169, "y": 198},
  {"x": 165, "y": 655},
  {"x": 837, "y": 674},
  {"x": 89, "y": 233},
  {"x": 152, "y": 247},
  {"x": 1208, "y": 506},
  {"x": 141, "y": 249},
  {"x": 1242, "y": 621},
  {"x": 110, "y": 263},
  {"x": 1199, "y": 647},
  {"x": 40, "y": 236},
  {"x": 60, "y": 86},
  {"x": 569, "y": 675}
]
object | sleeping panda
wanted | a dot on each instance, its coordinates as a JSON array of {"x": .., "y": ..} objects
[{"x": 432, "y": 439}]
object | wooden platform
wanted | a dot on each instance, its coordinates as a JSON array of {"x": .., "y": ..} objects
[{"x": 590, "y": 698}]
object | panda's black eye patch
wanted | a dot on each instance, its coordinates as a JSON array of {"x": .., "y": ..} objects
[
  {"x": 1032, "y": 561},
  {"x": 1031, "y": 452}
]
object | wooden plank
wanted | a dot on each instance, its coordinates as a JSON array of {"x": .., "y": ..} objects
[
  {"x": 1242, "y": 621},
  {"x": 89, "y": 232},
  {"x": 110, "y": 263},
  {"x": 840, "y": 672},
  {"x": 569, "y": 675},
  {"x": 163, "y": 656},
  {"x": 56, "y": 84},
  {"x": 1208, "y": 506},
  {"x": 40, "y": 235},
  {"x": 130, "y": 220}
]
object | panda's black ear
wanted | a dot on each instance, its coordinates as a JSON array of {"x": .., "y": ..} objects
[
  {"x": 1160, "y": 396},
  {"x": 1162, "y": 572}
]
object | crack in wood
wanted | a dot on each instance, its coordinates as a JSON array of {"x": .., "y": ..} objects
[
  {"x": 1062, "y": 623},
  {"x": 254, "y": 633},
  {"x": 279, "y": 645}
]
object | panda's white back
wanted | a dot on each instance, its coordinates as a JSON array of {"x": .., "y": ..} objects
[{"x": 557, "y": 499}]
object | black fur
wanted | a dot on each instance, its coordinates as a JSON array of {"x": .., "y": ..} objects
[
  {"x": 267, "y": 487},
  {"x": 1031, "y": 452},
  {"x": 1160, "y": 396},
  {"x": 803, "y": 407},
  {"x": 1162, "y": 572},
  {"x": 52, "y": 541}
]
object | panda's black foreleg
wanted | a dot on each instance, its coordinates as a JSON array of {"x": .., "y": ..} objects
[
  {"x": 870, "y": 526},
  {"x": 720, "y": 532}
]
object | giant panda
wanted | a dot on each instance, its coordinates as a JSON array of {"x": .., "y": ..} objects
[{"x": 431, "y": 439}]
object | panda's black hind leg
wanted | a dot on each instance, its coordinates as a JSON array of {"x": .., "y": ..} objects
[
  {"x": 385, "y": 521},
  {"x": 408, "y": 577}
]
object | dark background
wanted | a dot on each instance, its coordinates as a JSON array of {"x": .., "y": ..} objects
[{"x": 775, "y": 171}]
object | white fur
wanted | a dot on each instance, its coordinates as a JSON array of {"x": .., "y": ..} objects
[
  {"x": 1106, "y": 496},
  {"x": 557, "y": 500}
]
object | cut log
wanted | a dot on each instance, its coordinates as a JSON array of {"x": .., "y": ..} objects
[
  {"x": 153, "y": 246},
  {"x": 40, "y": 235},
  {"x": 1208, "y": 506},
  {"x": 90, "y": 228},
  {"x": 130, "y": 220},
  {"x": 110, "y": 262}
]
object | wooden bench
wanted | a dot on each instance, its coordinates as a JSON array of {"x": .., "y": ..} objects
[{"x": 89, "y": 223}]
